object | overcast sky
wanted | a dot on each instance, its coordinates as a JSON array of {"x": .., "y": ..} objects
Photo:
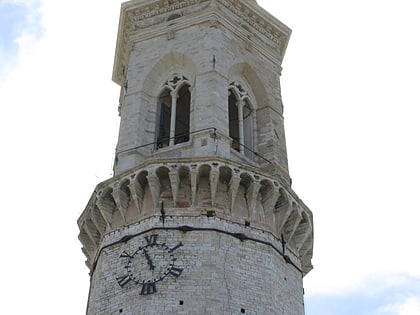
[{"x": 350, "y": 88}]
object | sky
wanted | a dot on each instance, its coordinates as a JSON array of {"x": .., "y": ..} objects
[{"x": 350, "y": 86}]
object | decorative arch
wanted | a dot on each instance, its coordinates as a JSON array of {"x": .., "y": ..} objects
[
  {"x": 204, "y": 189},
  {"x": 169, "y": 85},
  {"x": 246, "y": 95},
  {"x": 168, "y": 65},
  {"x": 173, "y": 112},
  {"x": 245, "y": 74},
  {"x": 241, "y": 119},
  {"x": 184, "y": 198}
]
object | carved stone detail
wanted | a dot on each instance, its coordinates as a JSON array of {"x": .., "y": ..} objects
[
  {"x": 174, "y": 178},
  {"x": 154, "y": 186},
  {"x": 264, "y": 201},
  {"x": 135, "y": 17},
  {"x": 137, "y": 194},
  {"x": 233, "y": 188},
  {"x": 214, "y": 179}
]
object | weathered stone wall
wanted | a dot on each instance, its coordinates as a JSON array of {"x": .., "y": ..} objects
[
  {"x": 212, "y": 48},
  {"x": 247, "y": 238},
  {"x": 221, "y": 274}
]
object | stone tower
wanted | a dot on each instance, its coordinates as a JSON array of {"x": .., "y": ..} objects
[{"x": 199, "y": 217}]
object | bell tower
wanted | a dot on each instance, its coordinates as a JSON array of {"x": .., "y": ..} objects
[{"x": 200, "y": 216}]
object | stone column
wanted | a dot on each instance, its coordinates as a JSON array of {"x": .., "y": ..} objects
[
  {"x": 241, "y": 125},
  {"x": 174, "y": 95}
]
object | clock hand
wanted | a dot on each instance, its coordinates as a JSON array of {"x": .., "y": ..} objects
[{"x": 149, "y": 260}]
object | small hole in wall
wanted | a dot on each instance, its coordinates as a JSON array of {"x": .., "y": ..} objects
[
  {"x": 247, "y": 223},
  {"x": 120, "y": 310},
  {"x": 211, "y": 214},
  {"x": 242, "y": 310},
  {"x": 181, "y": 302}
]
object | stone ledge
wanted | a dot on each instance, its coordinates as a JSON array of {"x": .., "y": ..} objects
[
  {"x": 194, "y": 186},
  {"x": 250, "y": 12}
]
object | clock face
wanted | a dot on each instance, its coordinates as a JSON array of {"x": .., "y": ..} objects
[{"x": 148, "y": 264}]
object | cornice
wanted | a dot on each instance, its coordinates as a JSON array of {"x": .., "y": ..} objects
[
  {"x": 284, "y": 214},
  {"x": 135, "y": 15}
]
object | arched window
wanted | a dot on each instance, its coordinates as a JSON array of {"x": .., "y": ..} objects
[
  {"x": 241, "y": 125},
  {"x": 173, "y": 125}
]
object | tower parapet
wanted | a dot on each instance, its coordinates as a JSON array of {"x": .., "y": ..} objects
[{"x": 192, "y": 187}]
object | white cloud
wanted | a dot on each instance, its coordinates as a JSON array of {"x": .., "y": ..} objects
[
  {"x": 58, "y": 129},
  {"x": 379, "y": 294},
  {"x": 27, "y": 29},
  {"x": 410, "y": 307},
  {"x": 406, "y": 306}
]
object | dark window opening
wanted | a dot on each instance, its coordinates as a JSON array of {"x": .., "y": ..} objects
[
  {"x": 173, "y": 113},
  {"x": 241, "y": 124},
  {"x": 234, "y": 121},
  {"x": 182, "y": 124},
  {"x": 164, "y": 119},
  {"x": 248, "y": 130}
]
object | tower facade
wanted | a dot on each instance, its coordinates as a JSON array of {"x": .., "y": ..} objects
[{"x": 200, "y": 216}]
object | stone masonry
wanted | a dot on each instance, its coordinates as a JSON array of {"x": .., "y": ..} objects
[{"x": 200, "y": 216}]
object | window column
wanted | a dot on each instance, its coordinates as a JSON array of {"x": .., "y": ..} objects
[
  {"x": 241, "y": 104},
  {"x": 174, "y": 96}
]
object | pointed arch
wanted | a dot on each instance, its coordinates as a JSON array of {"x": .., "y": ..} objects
[
  {"x": 241, "y": 119},
  {"x": 246, "y": 95},
  {"x": 170, "y": 84},
  {"x": 173, "y": 112}
]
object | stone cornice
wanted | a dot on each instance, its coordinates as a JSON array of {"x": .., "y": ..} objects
[
  {"x": 134, "y": 13},
  {"x": 271, "y": 204}
]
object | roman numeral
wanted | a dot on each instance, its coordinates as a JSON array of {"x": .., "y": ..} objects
[
  {"x": 176, "y": 272},
  {"x": 176, "y": 247},
  {"x": 124, "y": 254},
  {"x": 124, "y": 280},
  {"x": 151, "y": 239},
  {"x": 148, "y": 288}
]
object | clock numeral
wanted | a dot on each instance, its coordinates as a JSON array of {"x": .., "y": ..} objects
[
  {"x": 124, "y": 254},
  {"x": 148, "y": 288},
  {"x": 124, "y": 280},
  {"x": 176, "y": 272},
  {"x": 151, "y": 239},
  {"x": 176, "y": 247}
]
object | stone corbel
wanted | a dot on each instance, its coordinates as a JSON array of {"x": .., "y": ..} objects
[
  {"x": 307, "y": 233},
  {"x": 98, "y": 219},
  {"x": 269, "y": 204},
  {"x": 233, "y": 188},
  {"x": 214, "y": 179},
  {"x": 92, "y": 232},
  {"x": 194, "y": 177},
  {"x": 174, "y": 178},
  {"x": 295, "y": 226},
  {"x": 137, "y": 194},
  {"x": 283, "y": 214},
  {"x": 254, "y": 189},
  {"x": 121, "y": 201},
  {"x": 106, "y": 208},
  {"x": 154, "y": 186}
]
